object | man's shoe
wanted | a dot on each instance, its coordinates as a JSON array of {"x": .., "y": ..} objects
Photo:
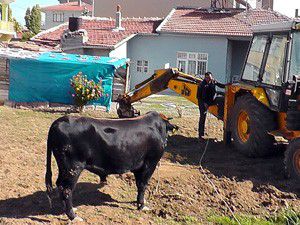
[{"x": 201, "y": 139}]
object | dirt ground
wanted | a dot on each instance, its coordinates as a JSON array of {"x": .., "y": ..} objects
[{"x": 179, "y": 192}]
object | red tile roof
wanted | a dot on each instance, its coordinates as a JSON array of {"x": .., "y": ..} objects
[
  {"x": 32, "y": 46},
  {"x": 69, "y": 6},
  {"x": 101, "y": 31},
  {"x": 52, "y": 35},
  {"x": 235, "y": 22}
]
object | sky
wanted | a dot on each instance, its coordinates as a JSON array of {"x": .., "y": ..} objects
[
  {"x": 286, "y": 7},
  {"x": 19, "y": 7}
]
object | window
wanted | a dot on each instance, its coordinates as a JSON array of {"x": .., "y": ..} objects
[
  {"x": 192, "y": 63},
  {"x": 142, "y": 66},
  {"x": 295, "y": 60},
  {"x": 58, "y": 17},
  {"x": 255, "y": 57},
  {"x": 274, "y": 69}
]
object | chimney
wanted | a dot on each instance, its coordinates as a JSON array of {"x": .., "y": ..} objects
[
  {"x": 75, "y": 23},
  {"x": 79, "y": 2},
  {"x": 243, "y": 3},
  {"x": 118, "y": 26},
  {"x": 264, "y": 4},
  {"x": 296, "y": 13}
]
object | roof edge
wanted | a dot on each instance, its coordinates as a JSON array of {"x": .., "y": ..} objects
[
  {"x": 48, "y": 8},
  {"x": 202, "y": 34},
  {"x": 48, "y": 31},
  {"x": 158, "y": 29},
  {"x": 124, "y": 40}
]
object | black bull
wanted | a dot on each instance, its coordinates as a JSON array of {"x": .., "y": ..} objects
[{"x": 103, "y": 147}]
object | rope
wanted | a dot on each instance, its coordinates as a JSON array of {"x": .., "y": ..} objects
[
  {"x": 158, "y": 178},
  {"x": 213, "y": 185}
]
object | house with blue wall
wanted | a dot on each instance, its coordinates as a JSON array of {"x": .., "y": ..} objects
[{"x": 196, "y": 40}]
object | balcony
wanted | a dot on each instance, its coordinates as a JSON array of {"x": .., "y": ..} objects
[
  {"x": 7, "y": 27},
  {"x": 7, "y": 1}
]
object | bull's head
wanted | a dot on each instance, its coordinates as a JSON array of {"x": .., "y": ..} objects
[
  {"x": 170, "y": 127},
  {"x": 125, "y": 109}
]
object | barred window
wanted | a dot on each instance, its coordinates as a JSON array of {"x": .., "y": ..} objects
[
  {"x": 142, "y": 66},
  {"x": 58, "y": 17}
]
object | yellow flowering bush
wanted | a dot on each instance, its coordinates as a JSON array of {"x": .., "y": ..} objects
[{"x": 85, "y": 90}]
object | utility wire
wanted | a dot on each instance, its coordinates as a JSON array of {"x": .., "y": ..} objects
[{"x": 213, "y": 185}]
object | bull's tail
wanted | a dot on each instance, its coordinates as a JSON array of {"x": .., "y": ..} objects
[{"x": 48, "y": 177}]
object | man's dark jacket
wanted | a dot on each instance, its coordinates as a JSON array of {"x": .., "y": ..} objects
[{"x": 206, "y": 91}]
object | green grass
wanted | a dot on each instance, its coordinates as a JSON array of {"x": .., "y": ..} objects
[
  {"x": 167, "y": 105},
  {"x": 288, "y": 217}
]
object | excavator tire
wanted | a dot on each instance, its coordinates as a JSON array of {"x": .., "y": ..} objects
[
  {"x": 292, "y": 160},
  {"x": 250, "y": 123},
  {"x": 293, "y": 120}
]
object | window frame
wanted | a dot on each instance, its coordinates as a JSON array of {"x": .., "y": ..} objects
[
  {"x": 265, "y": 58},
  {"x": 54, "y": 17},
  {"x": 200, "y": 57},
  {"x": 143, "y": 67},
  {"x": 58, "y": 17},
  {"x": 276, "y": 51},
  {"x": 262, "y": 60},
  {"x": 291, "y": 49}
]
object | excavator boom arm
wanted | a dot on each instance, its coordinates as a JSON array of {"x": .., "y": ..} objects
[{"x": 181, "y": 83}]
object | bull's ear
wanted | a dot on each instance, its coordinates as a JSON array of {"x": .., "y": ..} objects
[
  {"x": 163, "y": 116},
  {"x": 170, "y": 118}
]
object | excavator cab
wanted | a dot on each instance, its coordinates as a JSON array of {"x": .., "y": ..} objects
[{"x": 273, "y": 63}]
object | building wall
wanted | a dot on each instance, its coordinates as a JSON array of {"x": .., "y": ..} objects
[
  {"x": 144, "y": 8},
  {"x": 88, "y": 51},
  {"x": 239, "y": 53},
  {"x": 96, "y": 52},
  {"x": 49, "y": 23},
  {"x": 4, "y": 79},
  {"x": 162, "y": 49},
  {"x": 229, "y": 61},
  {"x": 65, "y": 1},
  {"x": 120, "y": 52}
]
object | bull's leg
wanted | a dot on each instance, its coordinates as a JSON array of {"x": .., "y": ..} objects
[
  {"x": 66, "y": 188},
  {"x": 142, "y": 178},
  {"x": 103, "y": 179},
  {"x": 98, "y": 171}
]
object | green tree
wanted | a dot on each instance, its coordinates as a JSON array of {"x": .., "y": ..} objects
[
  {"x": 17, "y": 25},
  {"x": 27, "y": 18},
  {"x": 35, "y": 20},
  {"x": 27, "y": 35}
]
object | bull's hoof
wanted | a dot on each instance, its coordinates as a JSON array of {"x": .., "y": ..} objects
[
  {"x": 145, "y": 208},
  {"x": 103, "y": 184},
  {"x": 77, "y": 219}
]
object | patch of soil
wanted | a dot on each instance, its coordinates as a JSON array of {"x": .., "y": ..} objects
[{"x": 179, "y": 190}]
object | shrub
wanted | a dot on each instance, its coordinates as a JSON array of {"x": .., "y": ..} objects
[
  {"x": 85, "y": 90},
  {"x": 27, "y": 35}
]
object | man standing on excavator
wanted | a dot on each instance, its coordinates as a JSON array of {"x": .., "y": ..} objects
[{"x": 206, "y": 94}]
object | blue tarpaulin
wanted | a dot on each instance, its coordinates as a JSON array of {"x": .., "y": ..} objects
[{"x": 46, "y": 78}]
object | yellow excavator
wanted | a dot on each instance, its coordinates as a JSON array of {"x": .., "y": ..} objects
[{"x": 258, "y": 110}]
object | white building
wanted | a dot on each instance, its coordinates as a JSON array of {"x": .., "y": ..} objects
[{"x": 59, "y": 14}]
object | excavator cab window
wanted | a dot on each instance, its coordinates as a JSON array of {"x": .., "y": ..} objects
[
  {"x": 266, "y": 65},
  {"x": 274, "y": 68},
  {"x": 255, "y": 58},
  {"x": 295, "y": 57}
]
